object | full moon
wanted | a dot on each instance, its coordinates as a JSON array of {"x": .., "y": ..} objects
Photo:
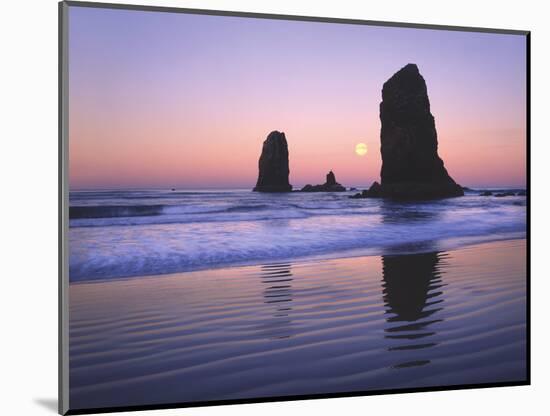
[{"x": 361, "y": 149}]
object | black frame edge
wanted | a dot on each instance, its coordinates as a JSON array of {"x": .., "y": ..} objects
[
  {"x": 294, "y": 398},
  {"x": 322, "y": 19},
  {"x": 63, "y": 355},
  {"x": 528, "y": 207},
  {"x": 60, "y": 377}
]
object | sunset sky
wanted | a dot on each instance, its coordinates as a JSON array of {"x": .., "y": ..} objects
[{"x": 174, "y": 100}]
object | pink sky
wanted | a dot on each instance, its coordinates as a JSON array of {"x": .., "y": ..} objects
[{"x": 173, "y": 100}]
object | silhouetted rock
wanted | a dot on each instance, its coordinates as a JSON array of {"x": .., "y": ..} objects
[
  {"x": 329, "y": 186},
  {"x": 503, "y": 194},
  {"x": 411, "y": 167},
  {"x": 273, "y": 165},
  {"x": 363, "y": 194},
  {"x": 486, "y": 193},
  {"x": 331, "y": 179},
  {"x": 375, "y": 190},
  {"x": 417, "y": 190}
]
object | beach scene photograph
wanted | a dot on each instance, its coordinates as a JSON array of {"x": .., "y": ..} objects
[{"x": 267, "y": 208}]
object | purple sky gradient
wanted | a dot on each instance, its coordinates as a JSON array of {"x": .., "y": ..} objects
[{"x": 162, "y": 99}]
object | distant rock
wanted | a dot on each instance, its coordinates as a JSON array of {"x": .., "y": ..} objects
[
  {"x": 331, "y": 179},
  {"x": 273, "y": 165},
  {"x": 358, "y": 195},
  {"x": 503, "y": 194},
  {"x": 411, "y": 167},
  {"x": 522, "y": 193},
  {"x": 375, "y": 191},
  {"x": 329, "y": 186},
  {"x": 407, "y": 190},
  {"x": 486, "y": 193},
  {"x": 372, "y": 192}
]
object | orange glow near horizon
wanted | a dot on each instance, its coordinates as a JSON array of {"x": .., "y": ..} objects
[{"x": 165, "y": 155}]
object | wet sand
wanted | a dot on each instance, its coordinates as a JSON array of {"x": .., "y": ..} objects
[{"x": 310, "y": 327}]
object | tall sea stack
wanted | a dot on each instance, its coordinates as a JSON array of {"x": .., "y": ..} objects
[
  {"x": 411, "y": 167},
  {"x": 273, "y": 165}
]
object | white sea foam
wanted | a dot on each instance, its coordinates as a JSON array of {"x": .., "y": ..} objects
[{"x": 133, "y": 233}]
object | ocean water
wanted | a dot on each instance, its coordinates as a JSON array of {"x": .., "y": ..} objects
[{"x": 115, "y": 234}]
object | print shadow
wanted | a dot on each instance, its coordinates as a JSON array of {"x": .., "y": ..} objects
[{"x": 48, "y": 404}]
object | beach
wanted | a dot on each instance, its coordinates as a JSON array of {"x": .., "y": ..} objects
[{"x": 440, "y": 315}]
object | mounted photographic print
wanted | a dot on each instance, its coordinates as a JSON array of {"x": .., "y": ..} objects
[{"x": 264, "y": 207}]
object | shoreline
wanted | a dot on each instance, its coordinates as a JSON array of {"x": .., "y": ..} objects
[
  {"x": 447, "y": 245},
  {"x": 200, "y": 233}
]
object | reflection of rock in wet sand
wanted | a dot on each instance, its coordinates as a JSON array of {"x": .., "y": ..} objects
[
  {"x": 278, "y": 293},
  {"x": 411, "y": 288}
]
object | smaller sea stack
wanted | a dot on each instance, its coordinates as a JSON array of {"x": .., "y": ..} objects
[
  {"x": 329, "y": 186},
  {"x": 273, "y": 165}
]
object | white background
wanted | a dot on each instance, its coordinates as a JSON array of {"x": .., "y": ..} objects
[{"x": 28, "y": 216}]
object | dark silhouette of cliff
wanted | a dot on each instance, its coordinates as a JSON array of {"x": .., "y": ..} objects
[{"x": 411, "y": 166}]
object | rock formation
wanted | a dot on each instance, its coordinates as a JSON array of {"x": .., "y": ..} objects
[
  {"x": 329, "y": 186},
  {"x": 273, "y": 165},
  {"x": 411, "y": 167},
  {"x": 502, "y": 194}
]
